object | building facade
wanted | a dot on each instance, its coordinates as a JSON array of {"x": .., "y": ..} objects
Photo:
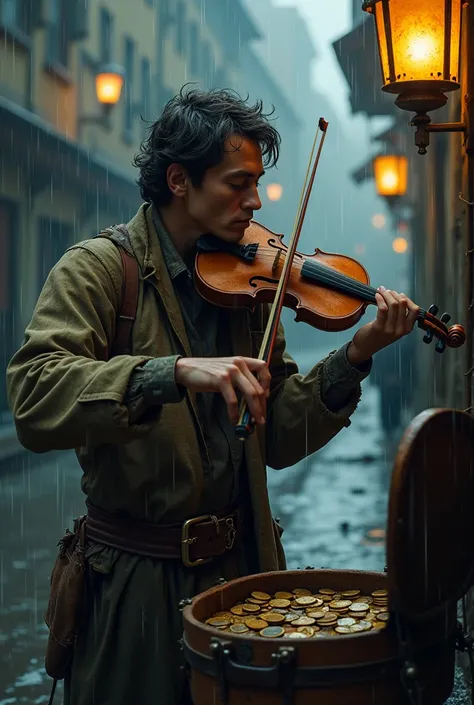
[{"x": 65, "y": 169}]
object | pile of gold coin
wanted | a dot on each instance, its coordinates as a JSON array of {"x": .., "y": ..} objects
[{"x": 302, "y": 614}]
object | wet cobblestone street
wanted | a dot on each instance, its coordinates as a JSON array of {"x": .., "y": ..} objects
[{"x": 327, "y": 505}]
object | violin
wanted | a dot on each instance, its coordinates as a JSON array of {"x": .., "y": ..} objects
[{"x": 328, "y": 291}]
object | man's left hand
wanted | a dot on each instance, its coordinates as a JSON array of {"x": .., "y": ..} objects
[{"x": 396, "y": 316}]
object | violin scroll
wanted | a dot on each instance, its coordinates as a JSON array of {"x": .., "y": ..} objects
[{"x": 452, "y": 337}]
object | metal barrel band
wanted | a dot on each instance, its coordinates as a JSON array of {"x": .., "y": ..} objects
[{"x": 224, "y": 665}]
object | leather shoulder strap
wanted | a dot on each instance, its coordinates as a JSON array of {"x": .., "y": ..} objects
[{"x": 122, "y": 343}]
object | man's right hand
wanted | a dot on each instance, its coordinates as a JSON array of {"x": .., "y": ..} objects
[{"x": 225, "y": 375}]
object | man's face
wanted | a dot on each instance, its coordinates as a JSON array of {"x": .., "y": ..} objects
[{"x": 225, "y": 202}]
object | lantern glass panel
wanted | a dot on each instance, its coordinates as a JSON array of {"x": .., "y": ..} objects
[
  {"x": 418, "y": 40},
  {"x": 391, "y": 175},
  {"x": 108, "y": 88}
]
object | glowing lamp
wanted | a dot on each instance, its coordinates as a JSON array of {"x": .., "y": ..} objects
[
  {"x": 391, "y": 175},
  {"x": 274, "y": 192},
  {"x": 400, "y": 245},
  {"x": 378, "y": 221},
  {"x": 108, "y": 84},
  {"x": 419, "y": 48}
]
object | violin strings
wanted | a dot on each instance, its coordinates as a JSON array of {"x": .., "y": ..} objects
[{"x": 332, "y": 278}]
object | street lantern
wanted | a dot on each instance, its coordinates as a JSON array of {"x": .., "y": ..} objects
[
  {"x": 109, "y": 80},
  {"x": 274, "y": 192},
  {"x": 108, "y": 84},
  {"x": 391, "y": 175},
  {"x": 419, "y": 46}
]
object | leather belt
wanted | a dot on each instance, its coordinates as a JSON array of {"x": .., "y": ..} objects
[{"x": 197, "y": 541}]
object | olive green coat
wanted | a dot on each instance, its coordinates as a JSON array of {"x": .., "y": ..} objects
[{"x": 66, "y": 393}]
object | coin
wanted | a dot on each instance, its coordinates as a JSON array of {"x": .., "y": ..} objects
[
  {"x": 346, "y": 621},
  {"x": 329, "y": 619},
  {"x": 254, "y": 601},
  {"x": 256, "y": 623},
  {"x": 284, "y": 595},
  {"x": 379, "y": 625},
  {"x": 273, "y": 617},
  {"x": 350, "y": 593},
  {"x": 237, "y": 609},
  {"x": 307, "y": 600},
  {"x": 316, "y": 614},
  {"x": 309, "y": 631},
  {"x": 326, "y": 598},
  {"x": 303, "y": 622},
  {"x": 272, "y": 632},
  {"x": 327, "y": 591},
  {"x": 301, "y": 591},
  {"x": 384, "y": 617},
  {"x": 340, "y": 604},
  {"x": 239, "y": 628},
  {"x": 343, "y": 630},
  {"x": 261, "y": 595},
  {"x": 218, "y": 622},
  {"x": 279, "y": 603},
  {"x": 224, "y": 615},
  {"x": 356, "y": 628},
  {"x": 365, "y": 625},
  {"x": 359, "y": 607},
  {"x": 291, "y": 617},
  {"x": 379, "y": 593},
  {"x": 296, "y": 635},
  {"x": 250, "y": 608}
]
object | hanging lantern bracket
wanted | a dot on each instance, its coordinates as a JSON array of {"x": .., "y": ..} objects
[{"x": 424, "y": 126}]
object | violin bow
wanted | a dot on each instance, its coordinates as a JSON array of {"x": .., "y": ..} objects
[{"x": 245, "y": 425}]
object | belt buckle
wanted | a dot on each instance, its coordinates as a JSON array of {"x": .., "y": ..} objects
[{"x": 186, "y": 541}]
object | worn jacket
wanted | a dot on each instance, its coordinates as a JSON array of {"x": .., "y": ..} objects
[{"x": 65, "y": 392}]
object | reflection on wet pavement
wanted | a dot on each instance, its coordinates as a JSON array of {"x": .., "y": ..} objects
[{"x": 332, "y": 506}]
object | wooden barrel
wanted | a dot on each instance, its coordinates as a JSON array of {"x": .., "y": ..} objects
[
  {"x": 430, "y": 545},
  {"x": 365, "y": 668}
]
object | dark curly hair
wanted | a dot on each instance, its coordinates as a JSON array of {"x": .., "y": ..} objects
[{"x": 191, "y": 131}]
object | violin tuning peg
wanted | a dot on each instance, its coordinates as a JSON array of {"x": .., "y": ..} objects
[
  {"x": 445, "y": 318},
  {"x": 428, "y": 337},
  {"x": 433, "y": 309},
  {"x": 440, "y": 346}
]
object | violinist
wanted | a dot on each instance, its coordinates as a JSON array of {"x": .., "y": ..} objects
[{"x": 174, "y": 499}]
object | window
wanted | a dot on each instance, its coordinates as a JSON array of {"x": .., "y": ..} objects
[
  {"x": 15, "y": 15},
  {"x": 194, "y": 48},
  {"x": 181, "y": 28},
  {"x": 146, "y": 88},
  {"x": 58, "y": 45},
  {"x": 54, "y": 239},
  {"x": 129, "y": 61},
  {"x": 105, "y": 37}
]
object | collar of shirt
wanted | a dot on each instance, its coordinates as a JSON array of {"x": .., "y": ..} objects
[{"x": 173, "y": 260}]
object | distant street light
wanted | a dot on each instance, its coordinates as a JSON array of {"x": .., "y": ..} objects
[
  {"x": 274, "y": 192},
  {"x": 391, "y": 175},
  {"x": 109, "y": 79},
  {"x": 400, "y": 245},
  {"x": 378, "y": 221},
  {"x": 108, "y": 84}
]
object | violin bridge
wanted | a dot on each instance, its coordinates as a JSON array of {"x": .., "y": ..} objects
[{"x": 276, "y": 261}]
